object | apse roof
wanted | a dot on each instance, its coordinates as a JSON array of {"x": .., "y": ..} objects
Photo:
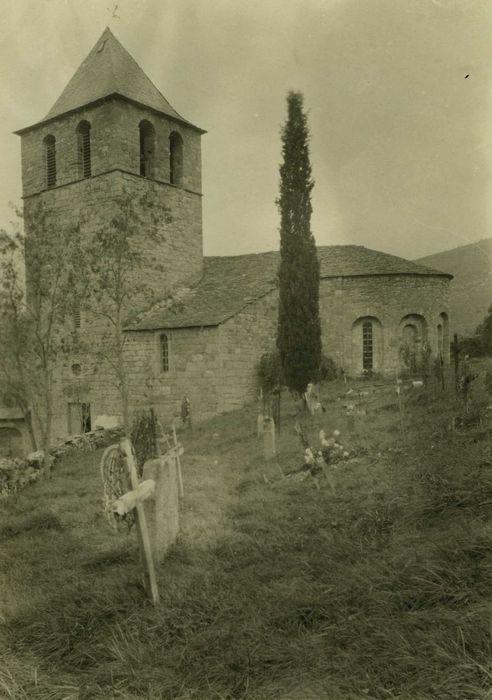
[{"x": 229, "y": 284}]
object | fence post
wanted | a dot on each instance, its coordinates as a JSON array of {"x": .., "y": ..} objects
[{"x": 456, "y": 356}]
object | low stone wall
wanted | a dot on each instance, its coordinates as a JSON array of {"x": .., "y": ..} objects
[{"x": 15, "y": 474}]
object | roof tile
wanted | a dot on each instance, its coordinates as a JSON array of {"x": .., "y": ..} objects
[
  {"x": 230, "y": 283},
  {"x": 108, "y": 70}
]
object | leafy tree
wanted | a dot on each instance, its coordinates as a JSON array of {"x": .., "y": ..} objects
[
  {"x": 299, "y": 332},
  {"x": 115, "y": 286},
  {"x": 38, "y": 269}
]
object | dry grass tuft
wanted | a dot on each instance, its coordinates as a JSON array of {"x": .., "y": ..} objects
[{"x": 377, "y": 589}]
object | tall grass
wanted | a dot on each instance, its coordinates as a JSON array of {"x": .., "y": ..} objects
[{"x": 377, "y": 589}]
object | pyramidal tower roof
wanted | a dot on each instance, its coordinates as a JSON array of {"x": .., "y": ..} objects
[{"x": 109, "y": 70}]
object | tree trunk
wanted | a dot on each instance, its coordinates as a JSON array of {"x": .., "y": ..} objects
[
  {"x": 122, "y": 377},
  {"x": 30, "y": 430}
]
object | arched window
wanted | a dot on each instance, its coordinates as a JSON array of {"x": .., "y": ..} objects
[
  {"x": 77, "y": 317},
  {"x": 367, "y": 346},
  {"x": 410, "y": 336},
  {"x": 175, "y": 158},
  {"x": 439, "y": 340},
  {"x": 84, "y": 149},
  {"x": 443, "y": 317},
  {"x": 50, "y": 160},
  {"x": 147, "y": 148},
  {"x": 413, "y": 341},
  {"x": 164, "y": 352},
  {"x": 413, "y": 329}
]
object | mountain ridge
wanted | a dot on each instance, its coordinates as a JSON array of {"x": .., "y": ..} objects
[{"x": 471, "y": 288}]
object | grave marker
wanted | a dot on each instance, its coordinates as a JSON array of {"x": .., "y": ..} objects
[
  {"x": 152, "y": 504},
  {"x": 269, "y": 446},
  {"x": 149, "y": 578},
  {"x": 162, "y": 511}
]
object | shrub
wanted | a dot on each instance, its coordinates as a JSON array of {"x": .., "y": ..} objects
[
  {"x": 472, "y": 346},
  {"x": 488, "y": 382},
  {"x": 328, "y": 371}
]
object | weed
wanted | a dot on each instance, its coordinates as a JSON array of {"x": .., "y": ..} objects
[
  {"x": 377, "y": 589},
  {"x": 35, "y": 523}
]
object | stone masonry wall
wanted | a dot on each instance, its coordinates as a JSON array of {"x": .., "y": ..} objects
[
  {"x": 194, "y": 371},
  {"x": 175, "y": 260},
  {"x": 115, "y": 158},
  {"x": 216, "y": 366},
  {"x": 115, "y": 144},
  {"x": 243, "y": 340},
  {"x": 386, "y": 298}
]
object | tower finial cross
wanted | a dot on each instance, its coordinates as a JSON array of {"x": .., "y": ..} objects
[{"x": 114, "y": 12}]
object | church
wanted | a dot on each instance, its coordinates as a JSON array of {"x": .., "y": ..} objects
[{"x": 112, "y": 131}]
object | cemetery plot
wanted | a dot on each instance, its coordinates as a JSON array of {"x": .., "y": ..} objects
[
  {"x": 376, "y": 585},
  {"x": 151, "y": 505}
]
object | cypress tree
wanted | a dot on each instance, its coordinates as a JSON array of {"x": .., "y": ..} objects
[{"x": 299, "y": 332}]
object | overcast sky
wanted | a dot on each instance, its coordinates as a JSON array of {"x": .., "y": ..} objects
[{"x": 401, "y": 139}]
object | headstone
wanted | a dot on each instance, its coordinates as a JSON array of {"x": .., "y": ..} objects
[
  {"x": 260, "y": 425},
  {"x": 36, "y": 459},
  {"x": 312, "y": 399},
  {"x": 106, "y": 422},
  {"x": 350, "y": 421},
  {"x": 269, "y": 446},
  {"x": 162, "y": 511}
]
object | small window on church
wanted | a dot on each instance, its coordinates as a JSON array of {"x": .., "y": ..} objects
[
  {"x": 367, "y": 345},
  {"x": 439, "y": 340},
  {"x": 76, "y": 316},
  {"x": 84, "y": 149},
  {"x": 50, "y": 159},
  {"x": 147, "y": 148},
  {"x": 175, "y": 159},
  {"x": 164, "y": 352}
]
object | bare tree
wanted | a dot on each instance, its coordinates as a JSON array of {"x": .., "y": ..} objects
[
  {"x": 38, "y": 271},
  {"x": 116, "y": 284}
]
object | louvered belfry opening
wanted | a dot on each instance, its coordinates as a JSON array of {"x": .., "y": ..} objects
[
  {"x": 175, "y": 158},
  {"x": 147, "y": 148},
  {"x": 164, "y": 352},
  {"x": 50, "y": 146},
  {"x": 84, "y": 149},
  {"x": 76, "y": 318}
]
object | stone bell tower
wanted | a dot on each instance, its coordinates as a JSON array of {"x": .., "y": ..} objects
[
  {"x": 112, "y": 131},
  {"x": 111, "y": 135}
]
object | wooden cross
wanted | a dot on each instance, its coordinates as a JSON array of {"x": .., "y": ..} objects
[{"x": 134, "y": 500}]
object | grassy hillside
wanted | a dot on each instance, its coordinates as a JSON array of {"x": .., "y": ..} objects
[
  {"x": 376, "y": 585},
  {"x": 471, "y": 289}
]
